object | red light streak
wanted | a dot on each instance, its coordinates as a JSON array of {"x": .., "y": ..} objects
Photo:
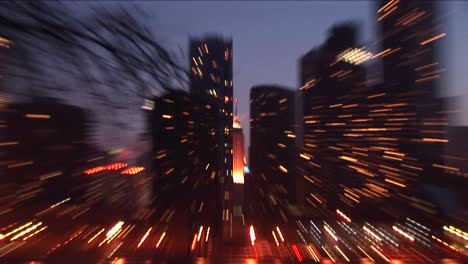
[{"x": 296, "y": 251}]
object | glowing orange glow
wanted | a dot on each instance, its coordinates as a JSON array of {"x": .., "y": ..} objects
[
  {"x": 395, "y": 183},
  {"x": 96, "y": 235},
  {"x": 95, "y": 170},
  {"x": 282, "y": 168},
  {"x": 37, "y": 116},
  {"x": 433, "y": 38},
  {"x": 194, "y": 242},
  {"x": 238, "y": 155},
  {"x": 133, "y": 170}
]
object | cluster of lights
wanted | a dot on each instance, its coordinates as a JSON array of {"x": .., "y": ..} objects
[
  {"x": 133, "y": 170},
  {"x": 115, "y": 166},
  {"x": 330, "y": 232},
  {"x": 346, "y": 218},
  {"x": 354, "y": 56},
  {"x": 457, "y": 232},
  {"x": 445, "y": 243},
  {"x": 403, "y": 233}
]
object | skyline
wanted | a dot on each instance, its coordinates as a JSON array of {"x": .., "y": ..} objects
[{"x": 255, "y": 47}]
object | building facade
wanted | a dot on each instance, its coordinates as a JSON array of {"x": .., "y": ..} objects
[{"x": 273, "y": 143}]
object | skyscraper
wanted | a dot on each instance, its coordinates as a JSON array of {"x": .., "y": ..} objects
[
  {"x": 211, "y": 81},
  {"x": 272, "y": 142}
]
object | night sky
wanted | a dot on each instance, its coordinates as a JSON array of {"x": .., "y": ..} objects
[{"x": 269, "y": 37}]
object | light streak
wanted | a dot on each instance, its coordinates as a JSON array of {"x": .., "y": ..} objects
[
  {"x": 144, "y": 237},
  {"x": 37, "y": 116},
  {"x": 395, "y": 183},
  {"x": 29, "y": 229},
  {"x": 380, "y": 254},
  {"x": 296, "y": 251},
  {"x": 365, "y": 253},
  {"x": 15, "y": 230},
  {"x": 96, "y": 235},
  {"x": 280, "y": 234},
  {"x": 161, "y": 239},
  {"x": 200, "y": 231},
  {"x": 342, "y": 253},
  {"x": 371, "y": 233},
  {"x": 457, "y": 232},
  {"x": 329, "y": 255},
  {"x": 115, "y": 250},
  {"x": 207, "y": 234},
  {"x": 283, "y": 169},
  {"x": 35, "y": 233},
  {"x": 403, "y": 233},
  {"x": 433, "y": 38},
  {"x": 194, "y": 242},
  {"x": 114, "y": 229},
  {"x": 59, "y": 203},
  {"x": 343, "y": 216},
  {"x": 274, "y": 236},
  {"x": 330, "y": 232},
  {"x": 312, "y": 253},
  {"x": 252, "y": 235}
]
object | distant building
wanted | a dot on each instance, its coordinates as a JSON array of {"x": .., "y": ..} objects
[
  {"x": 234, "y": 191},
  {"x": 330, "y": 77},
  {"x": 273, "y": 143},
  {"x": 380, "y": 144}
]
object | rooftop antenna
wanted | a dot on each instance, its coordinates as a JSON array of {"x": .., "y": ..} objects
[{"x": 237, "y": 102}]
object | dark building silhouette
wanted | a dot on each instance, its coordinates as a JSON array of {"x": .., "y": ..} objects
[
  {"x": 379, "y": 144},
  {"x": 184, "y": 132},
  {"x": 211, "y": 82},
  {"x": 330, "y": 76},
  {"x": 273, "y": 143},
  {"x": 48, "y": 141}
]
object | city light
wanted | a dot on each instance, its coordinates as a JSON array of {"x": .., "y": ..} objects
[
  {"x": 133, "y": 170},
  {"x": 207, "y": 234},
  {"x": 144, "y": 237},
  {"x": 343, "y": 216},
  {"x": 296, "y": 251},
  {"x": 354, "y": 55},
  {"x": 280, "y": 234},
  {"x": 274, "y": 236},
  {"x": 160, "y": 239},
  {"x": 252, "y": 235},
  {"x": 403, "y": 233}
]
